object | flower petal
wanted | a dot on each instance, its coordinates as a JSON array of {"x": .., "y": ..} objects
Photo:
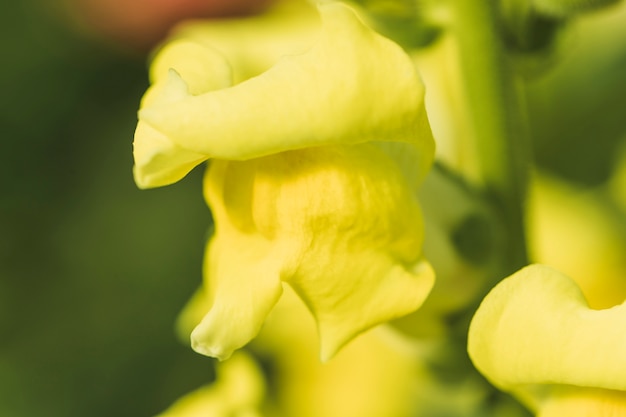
[
  {"x": 242, "y": 280},
  {"x": 253, "y": 44},
  {"x": 535, "y": 330},
  {"x": 339, "y": 224},
  {"x": 353, "y": 86},
  {"x": 202, "y": 67},
  {"x": 384, "y": 291},
  {"x": 158, "y": 160}
]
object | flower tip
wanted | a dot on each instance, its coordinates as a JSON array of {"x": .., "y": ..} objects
[
  {"x": 206, "y": 349},
  {"x": 175, "y": 89},
  {"x": 141, "y": 180},
  {"x": 158, "y": 161},
  {"x": 146, "y": 180}
]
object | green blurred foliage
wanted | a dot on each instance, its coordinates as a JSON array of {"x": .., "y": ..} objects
[
  {"x": 92, "y": 271},
  {"x": 577, "y": 104}
]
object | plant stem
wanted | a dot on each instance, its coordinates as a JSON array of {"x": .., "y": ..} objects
[{"x": 497, "y": 121}]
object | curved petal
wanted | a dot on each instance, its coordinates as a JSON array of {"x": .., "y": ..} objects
[
  {"x": 203, "y": 68},
  {"x": 158, "y": 160},
  {"x": 243, "y": 284},
  {"x": 253, "y": 44},
  {"x": 447, "y": 101},
  {"x": 344, "y": 307},
  {"x": 535, "y": 330},
  {"x": 339, "y": 224},
  {"x": 242, "y": 275},
  {"x": 353, "y": 86}
]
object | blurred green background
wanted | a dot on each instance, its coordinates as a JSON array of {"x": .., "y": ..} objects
[{"x": 93, "y": 271}]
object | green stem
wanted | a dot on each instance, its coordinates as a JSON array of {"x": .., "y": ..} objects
[{"x": 497, "y": 121}]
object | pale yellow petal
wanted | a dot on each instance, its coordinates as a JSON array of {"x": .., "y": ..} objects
[
  {"x": 253, "y": 44},
  {"x": 447, "y": 103},
  {"x": 360, "y": 292},
  {"x": 339, "y": 224},
  {"x": 203, "y": 68},
  {"x": 242, "y": 280},
  {"x": 353, "y": 86},
  {"x": 535, "y": 329},
  {"x": 158, "y": 160},
  {"x": 357, "y": 228}
]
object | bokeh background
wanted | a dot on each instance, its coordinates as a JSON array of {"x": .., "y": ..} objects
[{"x": 93, "y": 271}]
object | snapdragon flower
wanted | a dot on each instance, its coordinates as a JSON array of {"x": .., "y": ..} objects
[
  {"x": 535, "y": 336},
  {"x": 314, "y": 163}
]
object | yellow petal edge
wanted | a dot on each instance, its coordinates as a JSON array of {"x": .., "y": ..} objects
[
  {"x": 352, "y": 86},
  {"x": 158, "y": 160},
  {"x": 534, "y": 333}
]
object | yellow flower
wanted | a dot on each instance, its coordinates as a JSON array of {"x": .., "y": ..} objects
[
  {"x": 314, "y": 166},
  {"x": 535, "y": 336}
]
